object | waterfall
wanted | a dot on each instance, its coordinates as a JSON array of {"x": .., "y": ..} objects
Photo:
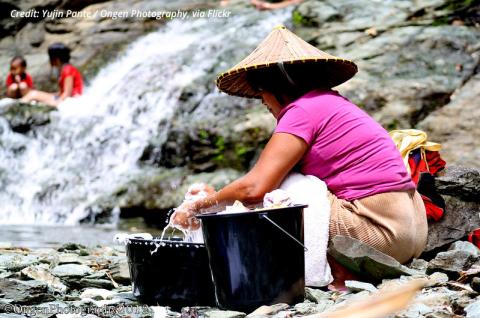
[{"x": 93, "y": 143}]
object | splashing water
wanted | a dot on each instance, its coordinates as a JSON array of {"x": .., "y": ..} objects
[{"x": 93, "y": 143}]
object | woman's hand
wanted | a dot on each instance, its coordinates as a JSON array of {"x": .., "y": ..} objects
[
  {"x": 199, "y": 190},
  {"x": 184, "y": 217}
]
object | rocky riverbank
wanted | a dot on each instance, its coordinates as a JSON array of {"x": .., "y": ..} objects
[
  {"x": 97, "y": 280},
  {"x": 74, "y": 279}
]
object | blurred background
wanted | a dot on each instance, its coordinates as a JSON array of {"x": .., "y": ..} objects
[{"x": 151, "y": 120}]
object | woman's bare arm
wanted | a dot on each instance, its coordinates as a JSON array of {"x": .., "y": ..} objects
[{"x": 280, "y": 155}]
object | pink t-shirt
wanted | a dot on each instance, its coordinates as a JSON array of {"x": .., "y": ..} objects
[{"x": 348, "y": 149}]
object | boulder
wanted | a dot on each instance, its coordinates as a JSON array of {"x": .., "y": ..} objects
[
  {"x": 22, "y": 117},
  {"x": 456, "y": 127},
  {"x": 460, "y": 189},
  {"x": 366, "y": 260}
]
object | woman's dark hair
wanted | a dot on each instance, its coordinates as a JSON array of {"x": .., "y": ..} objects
[
  {"x": 60, "y": 51},
  {"x": 22, "y": 60},
  {"x": 274, "y": 80}
]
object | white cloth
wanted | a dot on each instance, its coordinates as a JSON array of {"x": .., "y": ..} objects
[{"x": 312, "y": 191}]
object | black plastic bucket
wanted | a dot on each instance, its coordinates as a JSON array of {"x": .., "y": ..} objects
[
  {"x": 170, "y": 273},
  {"x": 257, "y": 258}
]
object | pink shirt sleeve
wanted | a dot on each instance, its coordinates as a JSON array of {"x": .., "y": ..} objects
[{"x": 298, "y": 122}]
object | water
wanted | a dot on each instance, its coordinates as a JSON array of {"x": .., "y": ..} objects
[
  {"x": 92, "y": 145},
  {"x": 56, "y": 235}
]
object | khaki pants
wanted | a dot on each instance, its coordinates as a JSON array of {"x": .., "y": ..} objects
[{"x": 394, "y": 222}]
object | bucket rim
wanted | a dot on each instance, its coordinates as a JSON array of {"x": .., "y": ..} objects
[
  {"x": 158, "y": 240},
  {"x": 249, "y": 213}
]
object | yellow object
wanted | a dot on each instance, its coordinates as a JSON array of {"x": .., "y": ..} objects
[
  {"x": 408, "y": 140},
  {"x": 293, "y": 54}
]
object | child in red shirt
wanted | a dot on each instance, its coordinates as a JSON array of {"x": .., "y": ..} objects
[
  {"x": 18, "y": 81},
  {"x": 69, "y": 78}
]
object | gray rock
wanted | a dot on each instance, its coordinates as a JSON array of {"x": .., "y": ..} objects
[
  {"x": 316, "y": 295},
  {"x": 455, "y": 126},
  {"x": 452, "y": 262},
  {"x": 418, "y": 265},
  {"x": 461, "y": 182},
  {"x": 71, "y": 270},
  {"x": 25, "y": 292},
  {"x": 97, "y": 294},
  {"x": 475, "y": 284},
  {"x": 120, "y": 272},
  {"x": 68, "y": 258},
  {"x": 459, "y": 187},
  {"x": 416, "y": 310},
  {"x": 437, "y": 278},
  {"x": 356, "y": 286},
  {"x": 208, "y": 312},
  {"x": 268, "y": 310},
  {"x": 473, "y": 310},
  {"x": 464, "y": 246},
  {"x": 15, "y": 262},
  {"x": 41, "y": 273},
  {"x": 24, "y": 117},
  {"x": 365, "y": 260},
  {"x": 95, "y": 283}
]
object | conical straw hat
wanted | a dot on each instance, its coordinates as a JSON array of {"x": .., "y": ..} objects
[{"x": 299, "y": 58}]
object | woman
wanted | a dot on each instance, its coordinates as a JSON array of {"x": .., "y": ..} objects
[
  {"x": 323, "y": 134},
  {"x": 70, "y": 81}
]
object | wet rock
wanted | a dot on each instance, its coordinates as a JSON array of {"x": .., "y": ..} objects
[
  {"x": 365, "y": 260},
  {"x": 452, "y": 262},
  {"x": 213, "y": 143},
  {"x": 41, "y": 273},
  {"x": 71, "y": 271},
  {"x": 356, "y": 286},
  {"x": 24, "y": 117},
  {"x": 15, "y": 262},
  {"x": 25, "y": 292},
  {"x": 161, "y": 191}
]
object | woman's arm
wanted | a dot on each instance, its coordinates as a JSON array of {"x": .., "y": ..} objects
[
  {"x": 67, "y": 88},
  {"x": 280, "y": 155}
]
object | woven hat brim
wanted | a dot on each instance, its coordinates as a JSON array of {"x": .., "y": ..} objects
[{"x": 320, "y": 71}]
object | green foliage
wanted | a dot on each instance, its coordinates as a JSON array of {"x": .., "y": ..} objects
[{"x": 299, "y": 20}]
